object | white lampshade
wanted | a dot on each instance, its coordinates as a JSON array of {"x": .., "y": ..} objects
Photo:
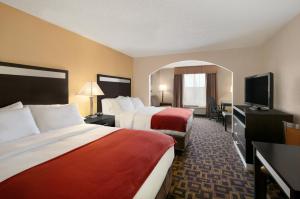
[
  {"x": 91, "y": 89},
  {"x": 162, "y": 87}
]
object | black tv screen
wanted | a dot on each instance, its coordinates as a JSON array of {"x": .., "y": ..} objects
[{"x": 259, "y": 90}]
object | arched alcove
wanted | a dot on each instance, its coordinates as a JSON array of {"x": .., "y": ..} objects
[
  {"x": 224, "y": 87},
  {"x": 242, "y": 62}
]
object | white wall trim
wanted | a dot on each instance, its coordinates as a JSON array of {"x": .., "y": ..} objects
[
  {"x": 8, "y": 70},
  {"x": 114, "y": 79}
]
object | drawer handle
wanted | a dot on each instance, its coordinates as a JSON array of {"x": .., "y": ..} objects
[{"x": 105, "y": 124}]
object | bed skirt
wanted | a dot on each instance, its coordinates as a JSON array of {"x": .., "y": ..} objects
[
  {"x": 182, "y": 139},
  {"x": 166, "y": 186}
]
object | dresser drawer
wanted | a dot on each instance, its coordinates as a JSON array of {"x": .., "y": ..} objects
[
  {"x": 239, "y": 131},
  {"x": 240, "y": 146}
]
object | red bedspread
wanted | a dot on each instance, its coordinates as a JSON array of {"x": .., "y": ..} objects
[
  {"x": 171, "y": 119},
  {"x": 114, "y": 166}
]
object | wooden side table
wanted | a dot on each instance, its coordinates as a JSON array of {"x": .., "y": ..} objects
[
  {"x": 282, "y": 163},
  {"x": 165, "y": 104},
  {"x": 105, "y": 120}
]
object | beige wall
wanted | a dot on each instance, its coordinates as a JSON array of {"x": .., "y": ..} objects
[
  {"x": 242, "y": 62},
  {"x": 282, "y": 57},
  {"x": 163, "y": 76},
  {"x": 224, "y": 85},
  {"x": 196, "y": 69},
  {"x": 26, "y": 39},
  {"x": 155, "y": 81}
]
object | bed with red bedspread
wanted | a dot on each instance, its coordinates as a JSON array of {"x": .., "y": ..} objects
[
  {"x": 110, "y": 165},
  {"x": 175, "y": 119}
]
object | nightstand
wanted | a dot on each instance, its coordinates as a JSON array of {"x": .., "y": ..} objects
[
  {"x": 105, "y": 120},
  {"x": 165, "y": 104}
]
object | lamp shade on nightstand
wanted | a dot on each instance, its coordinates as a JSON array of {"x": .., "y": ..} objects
[{"x": 91, "y": 89}]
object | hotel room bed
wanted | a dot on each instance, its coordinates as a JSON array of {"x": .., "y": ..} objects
[
  {"x": 141, "y": 118},
  {"x": 32, "y": 157},
  {"x": 19, "y": 155}
]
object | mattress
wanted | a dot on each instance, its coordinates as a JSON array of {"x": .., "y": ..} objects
[
  {"x": 30, "y": 151},
  {"x": 140, "y": 119}
]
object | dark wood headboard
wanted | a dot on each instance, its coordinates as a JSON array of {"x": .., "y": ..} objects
[
  {"x": 112, "y": 86},
  {"x": 32, "y": 85}
]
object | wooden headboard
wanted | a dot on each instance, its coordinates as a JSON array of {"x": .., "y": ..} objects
[
  {"x": 32, "y": 85},
  {"x": 112, "y": 86}
]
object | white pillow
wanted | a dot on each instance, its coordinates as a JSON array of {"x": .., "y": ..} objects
[
  {"x": 50, "y": 117},
  {"x": 137, "y": 103},
  {"x": 110, "y": 106},
  {"x": 16, "y": 123},
  {"x": 125, "y": 103},
  {"x": 16, "y": 105}
]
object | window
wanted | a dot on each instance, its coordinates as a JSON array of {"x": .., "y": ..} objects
[{"x": 194, "y": 90}]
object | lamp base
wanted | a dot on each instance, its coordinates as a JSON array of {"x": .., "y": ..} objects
[
  {"x": 91, "y": 105},
  {"x": 91, "y": 116},
  {"x": 94, "y": 115}
]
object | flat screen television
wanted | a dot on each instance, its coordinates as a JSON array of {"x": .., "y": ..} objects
[{"x": 259, "y": 91}]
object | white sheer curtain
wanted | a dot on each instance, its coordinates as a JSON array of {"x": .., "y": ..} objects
[{"x": 194, "y": 90}]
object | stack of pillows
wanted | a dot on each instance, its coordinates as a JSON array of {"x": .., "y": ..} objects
[
  {"x": 17, "y": 121},
  {"x": 129, "y": 103},
  {"x": 115, "y": 106}
]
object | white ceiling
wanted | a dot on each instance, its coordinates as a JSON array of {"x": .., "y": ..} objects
[{"x": 155, "y": 27}]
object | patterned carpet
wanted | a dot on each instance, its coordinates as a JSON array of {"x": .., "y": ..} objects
[{"x": 210, "y": 168}]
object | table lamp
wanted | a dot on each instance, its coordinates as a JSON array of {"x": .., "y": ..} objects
[
  {"x": 91, "y": 89},
  {"x": 162, "y": 88}
]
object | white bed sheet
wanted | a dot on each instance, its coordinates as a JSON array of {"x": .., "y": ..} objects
[
  {"x": 28, "y": 152},
  {"x": 141, "y": 119}
]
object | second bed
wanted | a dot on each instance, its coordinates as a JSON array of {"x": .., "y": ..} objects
[{"x": 130, "y": 113}]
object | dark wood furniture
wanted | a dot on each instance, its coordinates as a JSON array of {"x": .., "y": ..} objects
[
  {"x": 226, "y": 116},
  {"x": 32, "y": 84},
  {"x": 165, "y": 104},
  {"x": 254, "y": 125},
  {"x": 224, "y": 105},
  {"x": 112, "y": 87},
  {"x": 282, "y": 162},
  {"x": 105, "y": 120}
]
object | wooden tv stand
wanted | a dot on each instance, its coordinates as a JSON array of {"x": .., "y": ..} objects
[{"x": 256, "y": 125}]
